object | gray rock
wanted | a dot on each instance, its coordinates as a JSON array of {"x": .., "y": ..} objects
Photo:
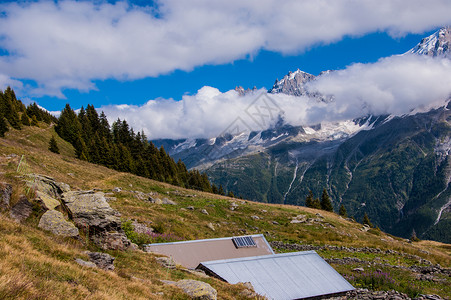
[
  {"x": 49, "y": 186},
  {"x": 54, "y": 222},
  {"x": 211, "y": 226},
  {"x": 91, "y": 211},
  {"x": 358, "y": 270},
  {"x": 255, "y": 217},
  {"x": 141, "y": 228},
  {"x": 117, "y": 190},
  {"x": 190, "y": 208},
  {"x": 166, "y": 262},
  {"x": 84, "y": 263},
  {"x": 197, "y": 289},
  {"x": 204, "y": 211},
  {"x": 46, "y": 202},
  {"x": 22, "y": 209},
  {"x": 102, "y": 260},
  {"x": 169, "y": 201},
  {"x": 6, "y": 191}
]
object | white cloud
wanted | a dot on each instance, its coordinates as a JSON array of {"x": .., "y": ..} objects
[
  {"x": 68, "y": 44},
  {"x": 394, "y": 85},
  {"x": 6, "y": 81}
]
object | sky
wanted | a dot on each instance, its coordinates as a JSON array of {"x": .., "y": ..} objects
[{"x": 169, "y": 66}]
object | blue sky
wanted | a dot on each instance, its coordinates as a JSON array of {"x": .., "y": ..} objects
[
  {"x": 147, "y": 63},
  {"x": 260, "y": 71}
]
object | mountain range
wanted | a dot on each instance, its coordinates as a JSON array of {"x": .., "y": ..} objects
[{"x": 396, "y": 169}]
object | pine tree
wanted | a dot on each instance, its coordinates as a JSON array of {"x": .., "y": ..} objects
[
  {"x": 343, "y": 211},
  {"x": 34, "y": 121},
  {"x": 326, "y": 204},
  {"x": 316, "y": 204},
  {"x": 413, "y": 236},
  {"x": 3, "y": 125},
  {"x": 68, "y": 127},
  {"x": 221, "y": 190},
  {"x": 25, "y": 120},
  {"x": 214, "y": 189},
  {"x": 53, "y": 145},
  {"x": 309, "y": 199},
  {"x": 366, "y": 220},
  {"x": 230, "y": 194}
]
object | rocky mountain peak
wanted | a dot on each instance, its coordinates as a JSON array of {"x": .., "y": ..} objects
[
  {"x": 293, "y": 83},
  {"x": 437, "y": 44}
]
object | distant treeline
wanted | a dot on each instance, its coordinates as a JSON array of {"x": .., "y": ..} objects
[
  {"x": 15, "y": 114},
  {"x": 120, "y": 148},
  {"x": 117, "y": 146}
]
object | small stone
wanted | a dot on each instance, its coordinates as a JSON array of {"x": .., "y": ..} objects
[
  {"x": 210, "y": 225},
  {"x": 168, "y": 201},
  {"x": 255, "y": 217},
  {"x": 166, "y": 262},
  {"x": 197, "y": 289},
  {"x": 204, "y": 211},
  {"x": 358, "y": 270},
  {"x": 84, "y": 263},
  {"x": 117, "y": 190},
  {"x": 102, "y": 260},
  {"x": 190, "y": 208},
  {"x": 275, "y": 223}
]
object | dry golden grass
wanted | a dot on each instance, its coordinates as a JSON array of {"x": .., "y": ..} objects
[{"x": 36, "y": 265}]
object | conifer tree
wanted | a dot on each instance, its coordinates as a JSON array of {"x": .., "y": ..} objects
[
  {"x": 413, "y": 236},
  {"x": 366, "y": 220},
  {"x": 230, "y": 194},
  {"x": 342, "y": 212},
  {"x": 53, "y": 145},
  {"x": 309, "y": 199},
  {"x": 221, "y": 190},
  {"x": 326, "y": 204},
  {"x": 316, "y": 204},
  {"x": 25, "y": 120},
  {"x": 34, "y": 121},
  {"x": 214, "y": 189},
  {"x": 68, "y": 127},
  {"x": 3, "y": 125}
]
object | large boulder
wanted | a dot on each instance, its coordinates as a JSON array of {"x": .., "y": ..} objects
[
  {"x": 54, "y": 222},
  {"x": 6, "y": 191},
  {"x": 91, "y": 211},
  {"x": 22, "y": 209},
  {"x": 48, "y": 186},
  {"x": 45, "y": 201},
  {"x": 197, "y": 289}
]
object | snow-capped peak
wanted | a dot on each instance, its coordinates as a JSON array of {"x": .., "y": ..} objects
[{"x": 437, "y": 44}]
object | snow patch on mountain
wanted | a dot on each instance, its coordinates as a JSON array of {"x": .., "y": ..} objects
[{"x": 437, "y": 44}]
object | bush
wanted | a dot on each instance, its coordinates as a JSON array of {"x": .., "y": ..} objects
[{"x": 148, "y": 237}]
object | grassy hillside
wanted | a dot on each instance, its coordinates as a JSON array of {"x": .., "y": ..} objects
[{"x": 36, "y": 265}]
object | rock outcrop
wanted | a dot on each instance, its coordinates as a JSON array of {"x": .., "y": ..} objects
[
  {"x": 102, "y": 260},
  {"x": 6, "y": 191},
  {"x": 48, "y": 186},
  {"x": 55, "y": 222},
  {"x": 197, "y": 289},
  {"x": 91, "y": 211},
  {"x": 22, "y": 209}
]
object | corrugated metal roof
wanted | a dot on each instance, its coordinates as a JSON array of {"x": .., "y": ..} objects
[
  {"x": 190, "y": 253},
  {"x": 282, "y": 276}
]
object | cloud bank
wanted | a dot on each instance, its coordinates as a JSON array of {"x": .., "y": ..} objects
[
  {"x": 393, "y": 85},
  {"x": 68, "y": 44}
]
